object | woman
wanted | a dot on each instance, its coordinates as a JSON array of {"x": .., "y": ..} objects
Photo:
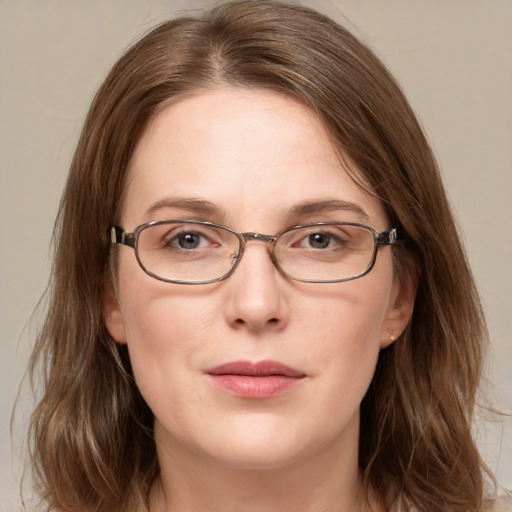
[{"x": 259, "y": 298}]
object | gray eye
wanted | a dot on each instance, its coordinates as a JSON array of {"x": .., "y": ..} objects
[
  {"x": 319, "y": 240},
  {"x": 189, "y": 240}
]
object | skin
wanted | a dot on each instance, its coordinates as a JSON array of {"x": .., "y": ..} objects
[{"x": 254, "y": 155}]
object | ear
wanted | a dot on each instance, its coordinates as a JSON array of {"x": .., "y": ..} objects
[
  {"x": 400, "y": 308},
  {"x": 112, "y": 315}
]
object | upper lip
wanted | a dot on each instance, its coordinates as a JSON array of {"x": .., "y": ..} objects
[{"x": 257, "y": 369}]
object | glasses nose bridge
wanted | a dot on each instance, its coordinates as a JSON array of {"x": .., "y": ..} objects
[{"x": 258, "y": 237}]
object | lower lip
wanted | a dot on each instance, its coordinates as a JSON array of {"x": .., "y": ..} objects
[{"x": 257, "y": 387}]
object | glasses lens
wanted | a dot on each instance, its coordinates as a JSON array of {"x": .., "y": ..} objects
[
  {"x": 327, "y": 252},
  {"x": 188, "y": 252}
]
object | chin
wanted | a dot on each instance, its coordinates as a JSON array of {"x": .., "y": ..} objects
[
  {"x": 265, "y": 447},
  {"x": 261, "y": 459}
]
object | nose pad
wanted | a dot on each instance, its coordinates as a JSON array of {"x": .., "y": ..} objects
[{"x": 255, "y": 298}]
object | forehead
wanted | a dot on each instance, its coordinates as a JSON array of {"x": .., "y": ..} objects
[{"x": 252, "y": 155}]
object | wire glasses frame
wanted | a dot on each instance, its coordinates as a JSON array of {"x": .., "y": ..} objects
[{"x": 230, "y": 261}]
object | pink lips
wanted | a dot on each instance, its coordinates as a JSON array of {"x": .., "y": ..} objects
[{"x": 261, "y": 380}]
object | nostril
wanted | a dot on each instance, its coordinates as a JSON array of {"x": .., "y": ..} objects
[{"x": 241, "y": 321}]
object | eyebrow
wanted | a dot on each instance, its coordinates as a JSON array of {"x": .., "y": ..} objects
[
  {"x": 204, "y": 207},
  {"x": 189, "y": 204},
  {"x": 329, "y": 205}
]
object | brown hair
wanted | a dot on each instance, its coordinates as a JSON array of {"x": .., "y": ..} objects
[{"x": 91, "y": 434}]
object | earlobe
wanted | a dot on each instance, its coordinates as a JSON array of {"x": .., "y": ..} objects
[
  {"x": 112, "y": 315},
  {"x": 401, "y": 306}
]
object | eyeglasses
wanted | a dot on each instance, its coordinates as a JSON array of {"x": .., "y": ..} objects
[{"x": 199, "y": 252}]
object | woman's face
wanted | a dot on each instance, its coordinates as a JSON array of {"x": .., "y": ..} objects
[{"x": 260, "y": 162}]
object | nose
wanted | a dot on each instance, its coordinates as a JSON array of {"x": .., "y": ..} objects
[{"x": 255, "y": 298}]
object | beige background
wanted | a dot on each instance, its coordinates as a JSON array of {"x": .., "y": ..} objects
[{"x": 453, "y": 58}]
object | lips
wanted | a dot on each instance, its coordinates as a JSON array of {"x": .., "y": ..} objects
[{"x": 261, "y": 380}]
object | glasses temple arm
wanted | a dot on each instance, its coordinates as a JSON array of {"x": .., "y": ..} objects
[
  {"x": 119, "y": 236},
  {"x": 388, "y": 237}
]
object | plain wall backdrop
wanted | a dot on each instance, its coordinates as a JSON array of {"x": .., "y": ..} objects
[{"x": 452, "y": 57}]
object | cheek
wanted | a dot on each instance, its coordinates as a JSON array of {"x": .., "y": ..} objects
[
  {"x": 349, "y": 349},
  {"x": 350, "y": 313},
  {"x": 161, "y": 329},
  {"x": 346, "y": 328},
  {"x": 164, "y": 338},
  {"x": 156, "y": 314},
  {"x": 163, "y": 333}
]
